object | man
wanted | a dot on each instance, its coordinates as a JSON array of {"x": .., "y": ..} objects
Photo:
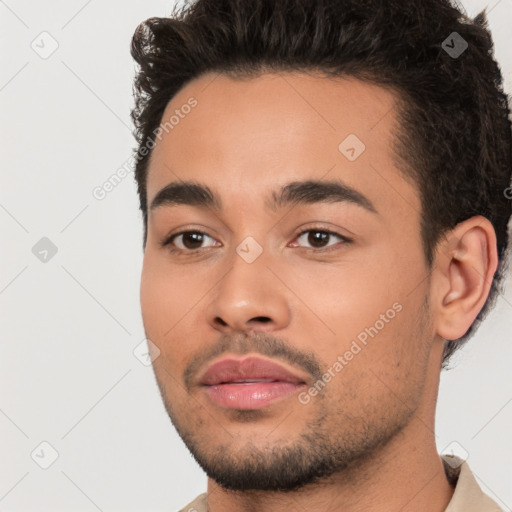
[{"x": 324, "y": 187}]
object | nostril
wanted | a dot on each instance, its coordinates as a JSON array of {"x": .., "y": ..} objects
[{"x": 265, "y": 319}]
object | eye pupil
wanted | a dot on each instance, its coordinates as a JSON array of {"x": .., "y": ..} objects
[
  {"x": 196, "y": 237},
  {"x": 318, "y": 236}
]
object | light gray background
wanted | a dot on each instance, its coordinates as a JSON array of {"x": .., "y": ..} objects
[{"x": 69, "y": 326}]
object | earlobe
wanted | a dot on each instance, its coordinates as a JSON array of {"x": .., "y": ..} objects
[{"x": 465, "y": 266}]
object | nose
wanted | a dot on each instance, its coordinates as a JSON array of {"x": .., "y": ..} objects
[{"x": 249, "y": 296}]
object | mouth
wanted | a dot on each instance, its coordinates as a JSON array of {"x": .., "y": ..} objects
[{"x": 249, "y": 383}]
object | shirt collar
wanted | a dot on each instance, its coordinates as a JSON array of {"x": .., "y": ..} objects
[{"x": 468, "y": 496}]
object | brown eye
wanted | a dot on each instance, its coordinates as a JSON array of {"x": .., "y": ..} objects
[
  {"x": 190, "y": 240},
  {"x": 319, "y": 239}
]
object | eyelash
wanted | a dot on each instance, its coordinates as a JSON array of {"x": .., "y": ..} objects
[{"x": 169, "y": 240}]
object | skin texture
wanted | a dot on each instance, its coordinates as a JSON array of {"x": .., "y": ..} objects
[{"x": 366, "y": 441}]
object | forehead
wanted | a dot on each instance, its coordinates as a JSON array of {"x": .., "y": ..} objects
[{"x": 253, "y": 135}]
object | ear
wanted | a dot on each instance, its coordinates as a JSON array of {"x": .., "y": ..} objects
[{"x": 464, "y": 267}]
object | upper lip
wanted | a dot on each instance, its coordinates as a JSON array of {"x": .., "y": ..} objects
[{"x": 232, "y": 369}]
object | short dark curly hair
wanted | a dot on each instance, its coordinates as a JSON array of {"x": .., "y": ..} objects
[{"x": 455, "y": 134}]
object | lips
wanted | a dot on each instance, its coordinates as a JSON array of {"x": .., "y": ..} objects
[
  {"x": 249, "y": 383},
  {"x": 247, "y": 370}
]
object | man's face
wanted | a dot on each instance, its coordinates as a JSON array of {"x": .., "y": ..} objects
[{"x": 347, "y": 313}]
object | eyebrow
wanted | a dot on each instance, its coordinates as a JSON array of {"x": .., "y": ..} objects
[{"x": 296, "y": 193}]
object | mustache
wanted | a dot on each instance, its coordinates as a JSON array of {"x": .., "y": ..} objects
[{"x": 261, "y": 343}]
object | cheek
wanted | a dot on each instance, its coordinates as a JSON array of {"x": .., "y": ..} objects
[
  {"x": 153, "y": 299},
  {"x": 166, "y": 302},
  {"x": 166, "y": 295},
  {"x": 345, "y": 299},
  {"x": 364, "y": 310},
  {"x": 386, "y": 370}
]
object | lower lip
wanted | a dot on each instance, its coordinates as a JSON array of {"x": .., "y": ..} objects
[{"x": 254, "y": 395}]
